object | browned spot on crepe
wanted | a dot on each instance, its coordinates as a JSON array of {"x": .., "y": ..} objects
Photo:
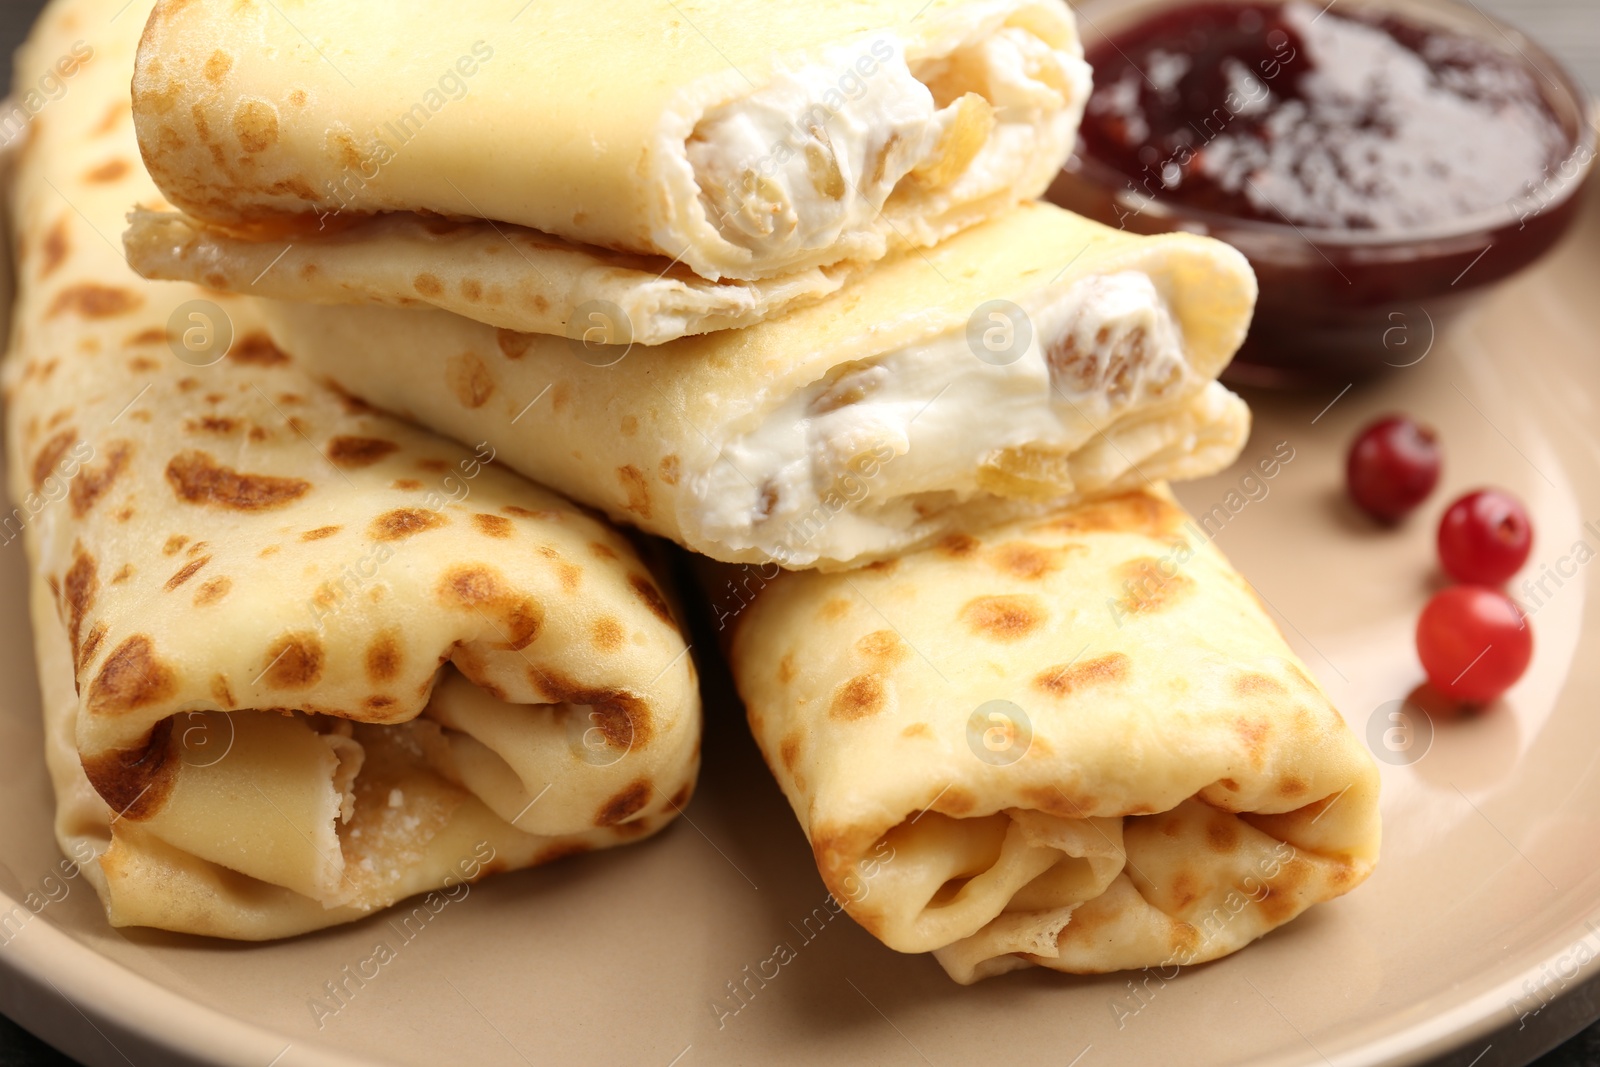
[
  {"x": 835, "y": 609},
  {"x": 428, "y": 285},
  {"x": 917, "y": 729},
  {"x": 469, "y": 380},
  {"x": 789, "y": 751},
  {"x": 1292, "y": 786},
  {"x": 884, "y": 646},
  {"x": 517, "y": 619},
  {"x": 1222, "y": 834},
  {"x": 197, "y": 478},
  {"x": 565, "y": 850},
  {"x": 1022, "y": 560},
  {"x": 55, "y": 248},
  {"x": 958, "y": 546},
  {"x": 638, "y": 490},
  {"x": 320, "y": 533},
  {"x": 110, "y": 171},
  {"x": 1136, "y": 512},
  {"x": 857, "y": 698},
  {"x": 1147, "y": 587},
  {"x": 354, "y": 452},
  {"x": 1252, "y": 734},
  {"x": 132, "y": 677},
  {"x": 91, "y": 644},
  {"x": 255, "y": 124},
  {"x": 957, "y": 800},
  {"x": 786, "y": 669},
  {"x": 601, "y": 551},
  {"x": 1004, "y": 618},
  {"x": 621, "y": 717},
  {"x": 135, "y": 783},
  {"x": 1279, "y": 904},
  {"x": 492, "y": 525},
  {"x": 1251, "y": 684},
  {"x": 671, "y": 469},
  {"x": 212, "y": 591},
  {"x": 630, "y": 801},
  {"x": 96, "y": 479},
  {"x": 1069, "y": 678},
  {"x": 883, "y": 566},
  {"x": 1183, "y": 890},
  {"x": 257, "y": 350},
  {"x": 113, "y": 117},
  {"x": 50, "y": 457},
  {"x": 383, "y": 658},
  {"x": 217, "y": 66},
  {"x": 189, "y": 570},
  {"x": 212, "y": 424},
  {"x": 646, "y": 591},
  {"x": 78, "y": 589},
  {"x": 294, "y": 661},
  {"x": 607, "y": 634},
  {"x": 401, "y": 523},
  {"x": 94, "y": 302},
  {"x": 513, "y": 345}
]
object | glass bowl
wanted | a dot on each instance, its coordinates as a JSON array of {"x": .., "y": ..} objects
[{"x": 1337, "y": 305}]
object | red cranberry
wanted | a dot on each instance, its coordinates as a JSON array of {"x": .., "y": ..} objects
[
  {"x": 1485, "y": 537},
  {"x": 1392, "y": 468},
  {"x": 1473, "y": 642}
]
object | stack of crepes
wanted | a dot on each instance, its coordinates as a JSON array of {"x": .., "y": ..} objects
[
  {"x": 770, "y": 283},
  {"x": 300, "y": 660}
]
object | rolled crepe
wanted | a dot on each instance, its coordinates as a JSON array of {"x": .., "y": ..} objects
[
  {"x": 1033, "y": 360},
  {"x": 300, "y": 660},
  {"x": 507, "y": 276},
  {"x": 740, "y": 140},
  {"x": 1076, "y": 742}
]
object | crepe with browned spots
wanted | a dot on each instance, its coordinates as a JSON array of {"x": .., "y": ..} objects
[
  {"x": 300, "y": 660},
  {"x": 1075, "y": 742},
  {"x": 438, "y": 182},
  {"x": 874, "y": 397}
]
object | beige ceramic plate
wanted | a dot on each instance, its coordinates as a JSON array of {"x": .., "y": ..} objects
[{"x": 1486, "y": 903}]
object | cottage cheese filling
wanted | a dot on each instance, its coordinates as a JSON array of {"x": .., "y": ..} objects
[
  {"x": 874, "y": 445},
  {"x": 817, "y": 153}
]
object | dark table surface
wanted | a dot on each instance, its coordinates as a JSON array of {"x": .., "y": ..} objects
[{"x": 1569, "y": 28}]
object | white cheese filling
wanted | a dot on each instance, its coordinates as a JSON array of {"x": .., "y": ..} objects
[
  {"x": 816, "y": 154},
  {"x": 875, "y": 445}
]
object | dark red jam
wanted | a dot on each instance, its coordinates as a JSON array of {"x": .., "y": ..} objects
[{"x": 1299, "y": 113}]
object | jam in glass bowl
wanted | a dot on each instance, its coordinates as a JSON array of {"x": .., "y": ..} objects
[{"x": 1376, "y": 160}]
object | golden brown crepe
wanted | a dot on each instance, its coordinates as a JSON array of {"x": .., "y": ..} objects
[
  {"x": 1034, "y": 360},
  {"x": 1076, "y": 742},
  {"x": 730, "y": 142},
  {"x": 300, "y": 660}
]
